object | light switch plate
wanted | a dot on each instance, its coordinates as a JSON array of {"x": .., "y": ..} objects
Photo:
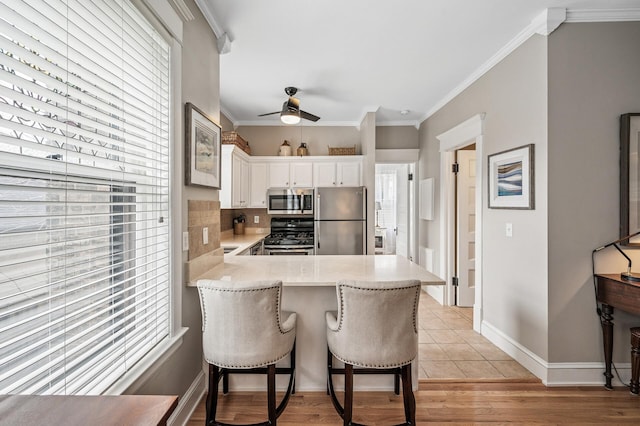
[
  {"x": 256, "y": 219},
  {"x": 508, "y": 229},
  {"x": 205, "y": 235},
  {"x": 185, "y": 241}
]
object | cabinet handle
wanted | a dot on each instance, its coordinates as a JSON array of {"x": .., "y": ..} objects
[{"x": 294, "y": 183}]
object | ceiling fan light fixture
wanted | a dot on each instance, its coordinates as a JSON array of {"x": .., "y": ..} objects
[{"x": 290, "y": 117}]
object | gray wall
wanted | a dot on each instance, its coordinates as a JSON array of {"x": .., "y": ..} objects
[
  {"x": 396, "y": 137},
  {"x": 266, "y": 140},
  {"x": 513, "y": 94},
  {"x": 594, "y": 76},
  {"x": 200, "y": 86}
]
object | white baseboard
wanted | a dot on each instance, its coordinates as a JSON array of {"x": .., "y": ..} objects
[
  {"x": 435, "y": 291},
  {"x": 559, "y": 373},
  {"x": 188, "y": 403}
]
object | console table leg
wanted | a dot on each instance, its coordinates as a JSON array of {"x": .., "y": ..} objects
[
  {"x": 634, "y": 385},
  {"x": 607, "y": 337}
]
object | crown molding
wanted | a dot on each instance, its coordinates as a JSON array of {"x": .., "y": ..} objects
[
  {"x": 208, "y": 15},
  {"x": 550, "y": 19},
  {"x": 182, "y": 10},
  {"x": 278, "y": 123},
  {"x": 541, "y": 23},
  {"x": 397, "y": 123},
  {"x": 603, "y": 15}
]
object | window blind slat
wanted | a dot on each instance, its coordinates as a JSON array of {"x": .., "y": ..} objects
[{"x": 84, "y": 193}]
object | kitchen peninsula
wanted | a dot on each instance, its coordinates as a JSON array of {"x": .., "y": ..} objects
[{"x": 309, "y": 289}]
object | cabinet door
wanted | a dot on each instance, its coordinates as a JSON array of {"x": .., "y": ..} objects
[
  {"x": 278, "y": 175},
  {"x": 236, "y": 179},
  {"x": 301, "y": 175},
  {"x": 324, "y": 174},
  {"x": 348, "y": 174},
  {"x": 258, "y": 189},
  {"x": 244, "y": 183}
]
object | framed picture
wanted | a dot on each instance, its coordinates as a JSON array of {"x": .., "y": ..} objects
[
  {"x": 511, "y": 179},
  {"x": 629, "y": 178},
  {"x": 202, "y": 148}
]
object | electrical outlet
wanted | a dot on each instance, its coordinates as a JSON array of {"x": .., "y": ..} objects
[
  {"x": 256, "y": 219},
  {"x": 185, "y": 241},
  {"x": 508, "y": 229},
  {"x": 205, "y": 235}
]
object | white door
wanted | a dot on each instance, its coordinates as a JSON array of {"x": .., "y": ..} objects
[
  {"x": 466, "y": 232},
  {"x": 402, "y": 210}
]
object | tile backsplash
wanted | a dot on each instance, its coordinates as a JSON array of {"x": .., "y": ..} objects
[
  {"x": 203, "y": 214},
  {"x": 227, "y": 215}
]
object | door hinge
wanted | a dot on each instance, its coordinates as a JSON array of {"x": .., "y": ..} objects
[
  {"x": 410, "y": 176},
  {"x": 454, "y": 281},
  {"x": 455, "y": 167}
]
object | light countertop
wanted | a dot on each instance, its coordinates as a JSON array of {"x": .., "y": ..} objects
[
  {"x": 310, "y": 271},
  {"x": 241, "y": 241}
]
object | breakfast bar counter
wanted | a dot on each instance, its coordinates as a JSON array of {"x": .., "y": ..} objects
[
  {"x": 314, "y": 271},
  {"x": 309, "y": 290}
]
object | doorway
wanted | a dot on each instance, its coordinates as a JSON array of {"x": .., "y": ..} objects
[
  {"x": 460, "y": 136},
  {"x": 465, "y": 226},
  {"x": 394, "y": 209}
]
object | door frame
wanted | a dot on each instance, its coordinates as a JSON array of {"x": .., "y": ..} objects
[
  {"x": 406, "y": 156},
  {"x": 463, "y": 134}
]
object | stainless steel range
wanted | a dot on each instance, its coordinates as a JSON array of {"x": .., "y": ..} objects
[{"x": 290, "y": 236}]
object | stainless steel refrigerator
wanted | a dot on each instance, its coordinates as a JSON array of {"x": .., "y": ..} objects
[{"x": 340, "y": 218}]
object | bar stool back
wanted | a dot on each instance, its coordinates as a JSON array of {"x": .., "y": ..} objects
[
  {"x": 376, "y": 330},
  {"x": 245, "y": 332}
]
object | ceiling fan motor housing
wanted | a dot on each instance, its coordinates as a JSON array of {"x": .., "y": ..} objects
[{"x": 292, "y": 105}]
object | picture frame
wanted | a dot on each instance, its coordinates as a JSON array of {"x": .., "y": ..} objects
[
  {"x": 202, "y": 148},
  {"x": 511, "y": 179},
  {"x": 629, "y": 178}
]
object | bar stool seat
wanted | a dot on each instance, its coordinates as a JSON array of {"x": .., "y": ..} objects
[
  {"x": 245, "y": 332},
  {"x": 635, "y": 361},
  {"x": 375, "y": 330}
]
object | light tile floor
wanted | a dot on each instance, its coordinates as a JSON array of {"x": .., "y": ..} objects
[{"x": 450, "y": 349}]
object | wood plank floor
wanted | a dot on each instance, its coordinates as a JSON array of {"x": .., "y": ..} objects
[{"x": 450, "y": 403}]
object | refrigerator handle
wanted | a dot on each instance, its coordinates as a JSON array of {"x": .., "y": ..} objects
[{"x": 317, "y": 234}]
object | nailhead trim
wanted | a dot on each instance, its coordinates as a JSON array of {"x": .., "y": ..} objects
[
  {"x": 278, "y": 285},
  {"x": 414, "y": 318}
]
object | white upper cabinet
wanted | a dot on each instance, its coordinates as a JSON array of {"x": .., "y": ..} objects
[
  {"x": 234, "y": 186},
  {"x": 259, "y": 181},
  {"x": 349, "y": 173},
  {"x": 290, "y": 174},
  {"x": 337, "y": 173},
  {"x": 278, "y": 175},
  {"x": 301, "y": 175},
  {"x": 240, "y": 184}
]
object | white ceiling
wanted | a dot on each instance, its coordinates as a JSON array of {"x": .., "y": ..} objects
[{"x": 355, "y": 56}]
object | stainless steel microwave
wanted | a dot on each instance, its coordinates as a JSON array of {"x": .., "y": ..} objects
[{"x": 290, "y": 201}]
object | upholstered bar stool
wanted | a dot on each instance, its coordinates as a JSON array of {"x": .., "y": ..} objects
[
  {"x": 375, "y": 330},
  {"x": 635, "y": 361},
  {"x": 245, "y": 332}
]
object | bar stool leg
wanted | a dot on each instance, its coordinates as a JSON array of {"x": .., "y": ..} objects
[
  {"x": 407, "y": 395},
  {"x": 212, "y": 395},
  {"x": 635, "y": 361},
  {"x": 348, "y": 394},
  {"x": 271, "y": 393}
]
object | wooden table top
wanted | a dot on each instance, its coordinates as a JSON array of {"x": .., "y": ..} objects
[{"x": 72, "y": 410}]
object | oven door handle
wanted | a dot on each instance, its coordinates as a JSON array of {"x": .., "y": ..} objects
[{"x": 288, "y": 251}]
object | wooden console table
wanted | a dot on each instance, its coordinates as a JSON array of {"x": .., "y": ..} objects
[
  {"x": 72, "y": 410},
  {"x": 614, "y": 292}
]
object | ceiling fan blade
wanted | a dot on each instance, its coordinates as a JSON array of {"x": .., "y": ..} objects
[
  {"x": 269, "y": 113},
  {"x": 308, "y": 116}
]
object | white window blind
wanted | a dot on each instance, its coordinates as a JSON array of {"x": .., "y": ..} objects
[{"x": 84, "y": 193}]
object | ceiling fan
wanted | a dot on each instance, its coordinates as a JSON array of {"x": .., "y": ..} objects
[{"x": 291, "y": 112}]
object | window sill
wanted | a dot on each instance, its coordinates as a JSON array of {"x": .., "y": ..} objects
[{"x": 133, "y": 379}]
